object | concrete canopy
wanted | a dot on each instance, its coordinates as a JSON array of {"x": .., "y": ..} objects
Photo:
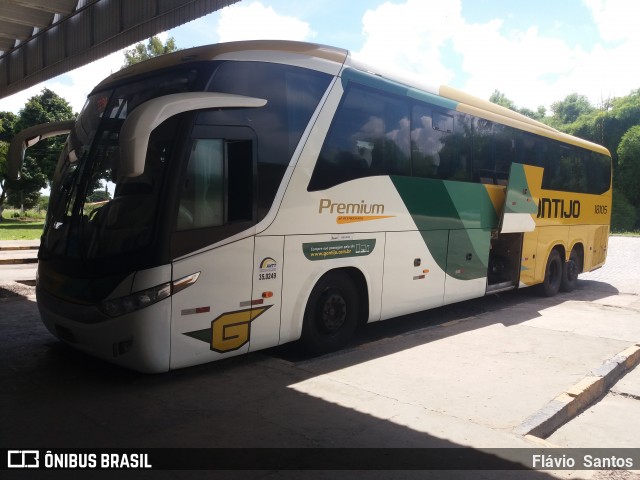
[{"x": 40, "y": 39}]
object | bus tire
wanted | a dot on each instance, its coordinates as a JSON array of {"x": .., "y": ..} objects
[
  {"x": 331, "y": 315},
  {"x": 552, "y": 275},
  {"x": 570, "y": 271}
]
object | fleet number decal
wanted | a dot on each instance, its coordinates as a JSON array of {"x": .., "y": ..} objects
[
  {"x": 600, "y": 209},
  {"x": 267, "y": 269}
]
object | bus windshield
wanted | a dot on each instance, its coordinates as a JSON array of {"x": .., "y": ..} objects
[{"x": 95, "y": 213}]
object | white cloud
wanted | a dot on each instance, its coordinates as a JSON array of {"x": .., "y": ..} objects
[
  {"x": 530, "y": 68},
  {"x": 617, "y": 20},
  {"x": 399, "y": 36},
  {"x": 254, "y": 21}
]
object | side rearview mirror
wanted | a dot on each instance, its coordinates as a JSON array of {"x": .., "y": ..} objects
[
  {"x": 28, "y": 138},
  {"x": 136, "y": 129}
]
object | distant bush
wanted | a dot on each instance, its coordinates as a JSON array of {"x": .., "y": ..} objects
[
  {"x": 623, "y": 214},
  {"x": 33, "y": 214}
]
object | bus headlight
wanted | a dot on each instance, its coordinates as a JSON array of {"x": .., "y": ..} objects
[{"x": 136, "y": 301}]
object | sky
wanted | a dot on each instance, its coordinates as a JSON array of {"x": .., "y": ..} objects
[{"x": 535, "y": 52}]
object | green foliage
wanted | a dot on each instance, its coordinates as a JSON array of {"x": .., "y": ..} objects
[
  {"x": 4, "y": 148},
  {"x": 7, "y": 130},
  {"x": 26, "y": 191},
  {"x": 623, "y": 214},
  {"x": 154, "y": 47},
  {"x": 570, "y": 109},
  {"x": 500, "y": 98},
  {"x": 43, "y": 202},
  {"x": 40, "y": 160},
  {"x": 628, "y": 173},
  {"x": 7, "y": 126},
  {"x": 99, "y": 195}
]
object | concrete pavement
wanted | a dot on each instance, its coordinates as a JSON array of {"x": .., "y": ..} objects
[
  {"x": 470, "y": 374},
  {"x": 18, "y": 260}
]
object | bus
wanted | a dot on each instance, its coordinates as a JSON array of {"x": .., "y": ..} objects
[{"x": 264, "y": 192}]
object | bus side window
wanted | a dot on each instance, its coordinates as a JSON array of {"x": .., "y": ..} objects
[
  {"x": 530, "y": 150},
  {"x": 369, "y": 136},
  {"x": 218, "y": 186},
  {"x": 202, "y": 198},
  {"x": 432, "y": 142},
  {"x": 494, "y": 149},
  {"x": 598, "y": 173},
  {"x": 504, "y": 150},
  {"x": 483, "y": 164}
]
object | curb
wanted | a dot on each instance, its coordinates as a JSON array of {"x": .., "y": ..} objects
[
  {"x": 18, "y": 252},
  {"x": 17, "y": 261},
  {"x": 580, "y": 396},
  {"x": 12, "y": 248}
]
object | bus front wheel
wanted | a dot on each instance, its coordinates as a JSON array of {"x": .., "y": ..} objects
[
  {"x": 552, "y": 275},
  {"x": 331, "y": 315}
]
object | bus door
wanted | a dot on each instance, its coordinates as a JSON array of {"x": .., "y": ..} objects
[
  {"x": 214, "y": 245},
  {"x": 211, "y": 306},
  {"x": 513, "y": 250}
]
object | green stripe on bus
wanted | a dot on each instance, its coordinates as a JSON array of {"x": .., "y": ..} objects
[
  {"x": 436, "y": 206},
  {"x": 519, "y": 199},
  {"x": 391, "y": 86}
]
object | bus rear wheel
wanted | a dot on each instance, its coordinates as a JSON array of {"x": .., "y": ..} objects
[
  {"x": 570, "y": 271},
  {"x": 331, "y": 315},
  {"x": 552, "y": 275}
]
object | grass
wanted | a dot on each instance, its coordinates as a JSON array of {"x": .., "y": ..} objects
[
  {"x": 16, "y": 229},
  {"x": 626, "y": 233}
]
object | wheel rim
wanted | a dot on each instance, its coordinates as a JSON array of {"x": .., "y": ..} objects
[{"x": 333, "y": 312}]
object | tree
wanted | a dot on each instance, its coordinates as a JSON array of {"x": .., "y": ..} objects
[
  {"x": 26, "y": 191},
  {"x": 629, "y": 165},
  {"x": 40, "y": 160},
  {"x": 154, "y": 47},
  {"x": 4, "y": 148},
  {"x": 501, "y": 99},
  {"x": 623, "y": 215},
  {"x": 570, "y": 109},
  {"x": 7, "y": 127}
]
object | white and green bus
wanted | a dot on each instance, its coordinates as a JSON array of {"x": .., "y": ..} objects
[{"x": 265, "y": 192}]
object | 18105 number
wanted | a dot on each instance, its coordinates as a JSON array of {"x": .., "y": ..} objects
[{"x": 601, "y": 209}]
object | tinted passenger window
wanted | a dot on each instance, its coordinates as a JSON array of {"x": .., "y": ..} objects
[
  {"x": 369, "y": 136},
  {"x": 564, "y": 169},
  {"x": 598, "y": 172},
  {"x": 439, "y": 144},
  {"x": 494, "y": 149},
  {"x": 483, "y": 167},
  {"x": 430, "y": 132},
  {"x": 202, "y": 199},
  {"x": 218, "y": 186},
  {"x": 504, "y": 152},
  {"x": 530, "y": 150},
  {"x": 292, "y": 95}
]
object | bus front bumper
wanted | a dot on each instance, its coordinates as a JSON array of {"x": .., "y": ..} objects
[{"x": 139, "y": 340}]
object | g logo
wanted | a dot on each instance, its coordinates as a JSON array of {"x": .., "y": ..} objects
[{"x": 232, "y": 330}]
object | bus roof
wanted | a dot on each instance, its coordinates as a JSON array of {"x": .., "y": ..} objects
[
  {"x": 211, "y": 52},
  {"x": 463, "y": 102}
]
